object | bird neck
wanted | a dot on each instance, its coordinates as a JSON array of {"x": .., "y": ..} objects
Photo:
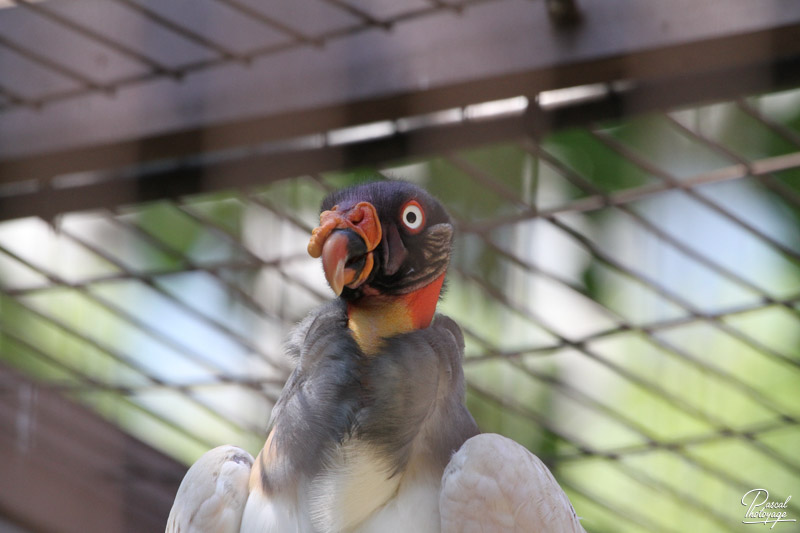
[{"x": 375, "y": 318}]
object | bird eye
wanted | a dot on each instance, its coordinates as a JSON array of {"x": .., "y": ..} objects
[{"x": 413, "y": 217}]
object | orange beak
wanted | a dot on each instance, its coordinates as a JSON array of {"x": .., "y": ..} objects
[{"x": 346, "y": 239}]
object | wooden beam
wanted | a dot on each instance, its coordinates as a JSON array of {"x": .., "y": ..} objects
[
  {"x": 491, "y": 50},
  {"x": 67, "y": 470},
  {"x": 253, "y": 170}
]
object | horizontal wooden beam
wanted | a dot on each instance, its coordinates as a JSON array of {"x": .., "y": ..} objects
[
  {"x": 491, "y": 50},
  {"x": 113, "y": 189}
]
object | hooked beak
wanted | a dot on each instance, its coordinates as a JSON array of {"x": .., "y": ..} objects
[{"x": 345, "y": 239}]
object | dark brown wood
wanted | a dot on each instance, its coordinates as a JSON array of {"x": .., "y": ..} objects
[
  {"x": 250, "y": 171},
  {"x": 64, "y": 469},
  {"x": 492, "y": 51}
]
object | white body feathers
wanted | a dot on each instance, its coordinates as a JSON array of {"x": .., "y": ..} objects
[
  {"x": 355, "y": 494},
  {"x": 492, "y": 484},
  {"x": 213, "y": 493}
]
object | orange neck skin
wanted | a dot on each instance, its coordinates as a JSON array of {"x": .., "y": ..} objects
[{"x": 373, "y": 318}]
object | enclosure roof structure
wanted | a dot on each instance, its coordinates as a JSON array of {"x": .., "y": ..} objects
[
  {"x": 152, "y": 255},
  {"x": 105, "y": 85}
]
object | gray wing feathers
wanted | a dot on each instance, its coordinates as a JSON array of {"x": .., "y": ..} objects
[
  {"x": 494, "y": 484},
  {"x": 316, "y": 409}
]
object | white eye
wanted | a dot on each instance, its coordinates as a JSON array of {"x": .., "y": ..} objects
[{"x": 413, "y": 218}]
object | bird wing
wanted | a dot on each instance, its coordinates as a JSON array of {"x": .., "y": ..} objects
[
  {"x": 213, "y": 493},
  {"x": 494, "y": 484}
]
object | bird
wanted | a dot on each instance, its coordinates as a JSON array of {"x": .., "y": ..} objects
[{"x": 371, "y": 432}]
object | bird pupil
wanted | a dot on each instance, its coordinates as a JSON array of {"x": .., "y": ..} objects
[{"x": 411, "y": 217}]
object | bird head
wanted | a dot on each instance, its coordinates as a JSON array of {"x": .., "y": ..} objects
[{"x": 385, "y": 247}]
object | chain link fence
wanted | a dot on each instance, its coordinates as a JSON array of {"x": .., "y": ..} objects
[
  {"x": 629, "y": 293},
  {"x": 629, "y": 288}
]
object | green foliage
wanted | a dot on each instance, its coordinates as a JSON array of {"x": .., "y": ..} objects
[{"x": 597, "y": 346}]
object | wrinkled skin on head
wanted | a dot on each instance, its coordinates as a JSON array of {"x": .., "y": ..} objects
[{"x": 409, "y": 249}]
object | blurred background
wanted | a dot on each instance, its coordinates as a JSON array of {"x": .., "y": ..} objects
[{"x": 624, "y": 175}]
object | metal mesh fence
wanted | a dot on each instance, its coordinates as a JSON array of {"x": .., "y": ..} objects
[
  {"x": 629, "y": 289},
  {"x": 629, "y": 292},
  {"x": 183, "y": 41}
]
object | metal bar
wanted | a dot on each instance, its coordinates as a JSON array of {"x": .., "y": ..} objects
[
  {"x": 214, "y": 324},
  {"x": 231, "y": 238},
  {"x": 630, "y": 155},
  {"x": 641, "y": 221},
  {"x": 762, "y": 167},
  {"x": 268, "y": 21},
  {"x": 181, "y": 30},
  {"x": 153, "y": 274},
  {"x": 48, "y": 63},
  {"x": 89, "y": 33},
  {"x": 670, "y": 295},
  {"x": 360, "y": 14},
  {"x": 242, "y": 173},
  {"x": 649, "y": 330},
  {"x": 621, "y": 371},
  {"x": 114, "y": 309},
  {"x": 512, "y": 406},
  {"x": 128, "y": 362},
  {"x": 694, "y": 440},
  {"x": 224, "y": 136},
  {"x": 787, "y": 134},
  {"x": 688, "y": 408},
  {"x": 14, "y": 97},
  {"x": 648, "y": 65},
  {"x": 246, "y": 299},
  {"x": 625, "y": 513}
]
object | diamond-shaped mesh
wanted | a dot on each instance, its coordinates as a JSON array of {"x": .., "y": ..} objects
[
  {"x": 63, "y": 50},
  {"x": 629, "y": 290},
  {"x": 630, "y": 294}
]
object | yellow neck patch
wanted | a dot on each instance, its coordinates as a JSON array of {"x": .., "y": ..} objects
[
  {"x": 371, "y": 319},
  {"x": 371, "y": 323}
]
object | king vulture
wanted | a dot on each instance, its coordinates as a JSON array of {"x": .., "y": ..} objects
[{"x": 371, "y": 432}]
